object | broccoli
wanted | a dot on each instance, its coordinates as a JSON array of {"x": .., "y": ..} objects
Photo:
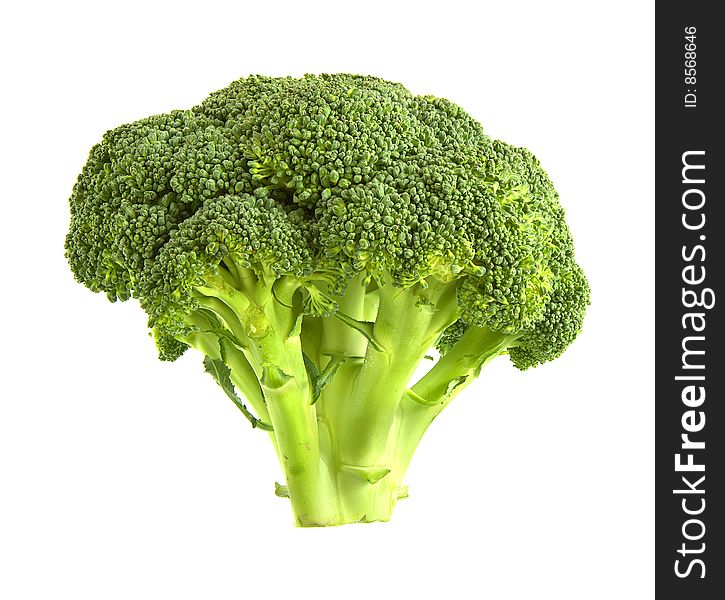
[{"x": 315, "y": 239}]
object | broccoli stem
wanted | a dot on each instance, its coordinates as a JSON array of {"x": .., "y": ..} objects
[
  {"x": 361, "y": 403},
  {"x": 453, "y": 372},
  {"x": 404, "y": 332},
  {"x": 273, "y": 358},
  {"x": 245, "y": 380},
  {"x": 365, "y": 416},
  {"x": 344, "y": 457},
  {"x": 242, "y": 372},
  {"x": 362, "y": 498},
  {"x": 296, "y": 431}
]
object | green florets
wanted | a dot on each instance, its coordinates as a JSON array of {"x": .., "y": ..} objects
[
  {"x": 330, "y": 173},
  {"x": 560, "y": 324}
]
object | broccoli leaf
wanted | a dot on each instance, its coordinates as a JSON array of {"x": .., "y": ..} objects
[{"x": 220, "y": 372}]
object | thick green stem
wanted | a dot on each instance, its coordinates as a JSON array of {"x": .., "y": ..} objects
[
  {"x": 339, "y": 340},
  {"x": 362, "y": 498},
  {"x": 403, "y": 333},
  {"x": 296, "y": 431},
  {"x": 344, "y": 456},
  {"x": 278, "y": 361},
  {"x": 265, "y": 328}
]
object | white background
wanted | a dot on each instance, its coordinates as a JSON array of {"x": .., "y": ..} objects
[{"x": 122, "y": 477}]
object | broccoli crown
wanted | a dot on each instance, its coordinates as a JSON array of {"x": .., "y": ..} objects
[{"x": 325, "y": 179}]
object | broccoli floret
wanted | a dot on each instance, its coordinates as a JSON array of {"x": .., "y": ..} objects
[{"x": 314, "y": 238}]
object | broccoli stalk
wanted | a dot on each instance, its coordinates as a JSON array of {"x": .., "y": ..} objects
[
  {"x": 330, "y": 478},
  {"x": 344, "y": 444},
  {"x": 313, "y": 239}
]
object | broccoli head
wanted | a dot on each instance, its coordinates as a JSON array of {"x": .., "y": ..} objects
[{"x": 314, "y": 238}]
